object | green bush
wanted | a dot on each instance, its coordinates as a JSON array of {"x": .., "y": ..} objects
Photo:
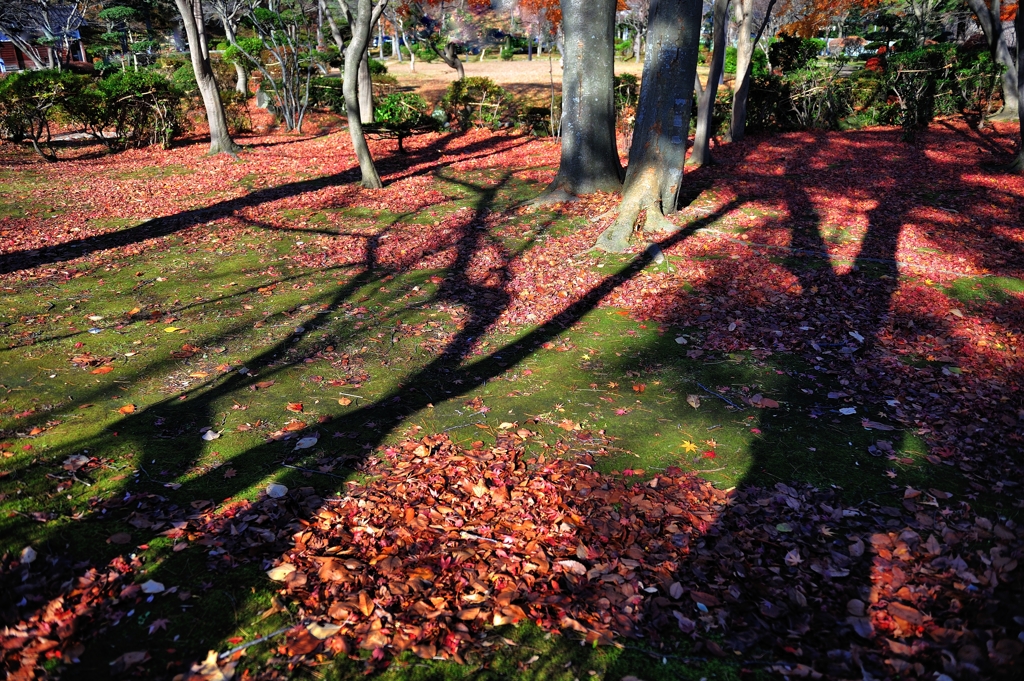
[
  {"x": 792, "y": 53},
  {"x": 31, "y": 101},
  {"x": 627, "y": 91},
  {"x": 383, "y": 85},
  {"x": 184, "y": 79},
  {"x": 377, "y": 68},
  {"x": 507, "y": 53},
  {"x": 478, "y": 102},
  {"x": 402, "y": 110},
  {"x": 624, "y": 47},
  {"x": 938, "y": 80},
  {"x": 760, "y": 62},
  {"x": 326, "y": 93},
  {"x": 424, "y": 53},
  {"x": 142, "y": 107}
]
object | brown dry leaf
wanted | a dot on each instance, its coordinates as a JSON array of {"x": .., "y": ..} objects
[
  {"x": 295, "y": 407},
  {"x": 102, "y": 370},
  {"x": 639, "y": 387},
  {"x": 230, "y": 473},
  {"x": 366, "y": 605},
  {"x": 127, "y": 409},
  {"x": 344, "y": 401},
  {"x": 293, "y": 426},
  {"x": 119, "y": 538}
]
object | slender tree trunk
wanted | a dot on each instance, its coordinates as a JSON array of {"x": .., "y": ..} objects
[
  {"x": 992, "y": 26},
  {"x": 701, "y": 154},
  {"x": 450, "y": 57},
  {"x": 656, "y": 157},
  {"x": 360, "y": 23},
  {"x": 744, "y": 65},
  {"x": 412, "y": 52},
  {"x": 365, "y": 90},
  {"x": 590, "y": 158},
  {"x": 396, "y": 47},
  {"x": 336, "y": 36},
  {"x": 192, "y": 18},
  {"x": 241, "y": 74}
]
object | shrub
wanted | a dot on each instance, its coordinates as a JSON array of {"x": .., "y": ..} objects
[
  {"x": 184, "y": 79},
  {"x": 383, "y": 85},
  {"x": 377, "y": 68},
  {"x": 760, "y": 62},
  {"x": 934, "y": 81},
  {"x": 478, "y": 102},
  {"x": 816, "y": 98},
  {"x": 142, "y": 108},
  {"x": 402, "y": 110},
  {"x": 326, "y": 93},
  {"x": 791, "y": 53},
  {"x": 627, "y": 91},
  {"x": 30, "y": 102},
  {"x": 507, "y": 53},
  {"x": 424, "y": 53}
]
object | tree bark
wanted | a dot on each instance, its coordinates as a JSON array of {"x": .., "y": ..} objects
[
  {"x": 590, "y": 159},
  {"x": 656, "y": 157},
  {"x": 365, "y": 89},
  {"x": 701, "y": 154},
  {"x": 744, "y": 65},
  {"x": 360, "y": 23},
  {"x": 192, "y": 18},
  {"x": 992, "y": 27},
  {"x": 241, "y": 74},
  {"x": 1018, "y": 25},
  {"x": 450, "y": 57}
]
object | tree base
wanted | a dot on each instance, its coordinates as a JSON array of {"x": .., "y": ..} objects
[
  {"x": 1004, "y": 115},
  {"x": 551, "y": 196}
]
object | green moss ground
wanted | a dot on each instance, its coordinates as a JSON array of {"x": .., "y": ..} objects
[{"x": 376, "y": 340}]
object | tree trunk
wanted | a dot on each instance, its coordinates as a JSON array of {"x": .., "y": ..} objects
[
  {"x": 412, "y": 52},
  {"x": 192, "y": 18},
  {"x": 590, "y": 159},
  {"x": 655, "y": 173},
  {"x": 241, "y": 74},
  {"x": 365, "y": 90},
  {"x": 361, "y": 23},
  {"x": 1018, "y": 26},
  {"x": 701, "y": 154},
  {"x": 396, "y": 47},
  {"x": 992, "y": 26},
  {"x": 339, "y": 41},
  {"x": 744, "y": 65},
  {"x": 450, "y": 57},
  {"x": 529, "y": 47}
]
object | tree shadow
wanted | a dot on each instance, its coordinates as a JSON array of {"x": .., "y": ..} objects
[{"x": 766, "y": 605}]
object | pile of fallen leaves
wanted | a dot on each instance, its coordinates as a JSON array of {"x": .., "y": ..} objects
[
  {"x": 445, "y": 544},
  {"x": 439, "y": 546}
]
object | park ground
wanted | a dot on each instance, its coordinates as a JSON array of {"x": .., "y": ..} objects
[{"x": 426, "y": 433}]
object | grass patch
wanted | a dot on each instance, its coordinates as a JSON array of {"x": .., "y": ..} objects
[{"x": 984, "y": 289}]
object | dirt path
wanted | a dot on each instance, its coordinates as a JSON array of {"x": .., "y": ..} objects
[{"x": 528, "y": 79}]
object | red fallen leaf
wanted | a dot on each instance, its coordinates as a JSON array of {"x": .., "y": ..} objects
[
  {"x": 230, "y": 473},
  {"x": 639, "y": 387},
  {"x": 709, "y": 454},
  {"x": 293, "y": 426},
  {"x": 102, "y": 370},
  {"x": 36, "y": 430},
  {"x": 262, "y": 385},
  {"x": 710, "y": 600},
  {"x": 127, "y": 409},
  {"x": 294, "y": 407}
]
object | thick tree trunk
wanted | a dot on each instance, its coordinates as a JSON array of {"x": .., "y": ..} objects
[
  {"x": 655, "y": 173},
  {"x": 744, "y": 64},
  {"x": 701, "y": 154},
  {"x": 992, "y": 26},
  {"x": 590, "y": 158},
  {"x": 361, "y": 23},
  {"x": 365, "y": 90},
  {"x": 192, "y": 18},
  {"x": 1018, "y": 25}
]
